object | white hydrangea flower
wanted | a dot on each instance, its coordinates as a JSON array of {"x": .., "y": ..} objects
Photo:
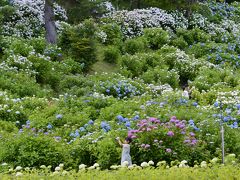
[
  {"x": 203, "y": 164},
  {"x": 144, "y": 164},
  {"x": 18, "y": 168},
  {"x": 91, "y": 168},
  {"x": 57, "y": 168},
  {"x": 162, "y": 163},
  {"x": 43, "y": 167},
  {"x": 183, "y": 162},
  {"x": 82, "y": 166},
  {"x": 150, "y": 163},
  {"x": 96, "y": 165}
]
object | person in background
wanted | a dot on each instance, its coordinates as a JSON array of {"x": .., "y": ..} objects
[
  {"x": 185, "y": 92},
  {"x": 125, "y": 151}
]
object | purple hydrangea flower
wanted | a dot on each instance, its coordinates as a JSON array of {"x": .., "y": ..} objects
[
  {"x": 168, "y": 150},
  {"x": 170, "y": 133}
]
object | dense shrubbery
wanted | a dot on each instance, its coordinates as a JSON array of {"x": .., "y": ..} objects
[{"x": 79, "y": 43}]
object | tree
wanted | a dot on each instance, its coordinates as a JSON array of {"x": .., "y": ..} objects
[{"x": 50, "y": 26}]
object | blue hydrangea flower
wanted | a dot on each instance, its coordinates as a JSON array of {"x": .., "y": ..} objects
[
  {"x": 59, "y": 116},
  {"x": 91, "y": 122},
  {"x": 191, "y": 122},
  {"x": 105, "y": 126},
  {"x": 195, "y": 104},
  {"x": 226, "y": 118},
  {"x": 136, "y": 117},
  {"x": 120, "y": 118},
  {"x": 216, "y": 104},
  {"x": 28, "y": 122},
  {"x": 238, "y": 106},
  {"x": 228, "y": 111},
  {"x": 128, "y": 124},
  {"x": 234, "y": 125},
  {"x": 76, "y": 133},
  {"x": 82, "y": 129},
  {"x": 49, "y": 126}
]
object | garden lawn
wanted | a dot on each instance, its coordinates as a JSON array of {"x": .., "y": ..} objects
[{"x": 216, "y": 172}]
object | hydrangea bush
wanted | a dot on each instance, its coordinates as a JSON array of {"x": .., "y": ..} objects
[{"x": 28, "y": 19}]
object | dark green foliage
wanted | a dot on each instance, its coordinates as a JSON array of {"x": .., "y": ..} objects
[
  {"x": 113, "y": 32},
  {"x": 111, "y": 54},
  {"x": 161, "y": 75},
  {"x": 78, "y": 11},
  {"x": 132, "y": 46},
  {"x": 78, "y": 42},
  {"x": 179, "y": 42},
  {"x": 33, "y": 151},
  {"x": 156, "y": 37},
  {"x": 20, "y": 84},
  {"x": 193, "y": 35}
]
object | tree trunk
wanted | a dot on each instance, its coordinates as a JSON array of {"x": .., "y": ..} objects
[{"x": 50, "y": 27}]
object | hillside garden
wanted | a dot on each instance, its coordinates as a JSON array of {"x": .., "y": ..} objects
[{"x": 121, "y": 74}]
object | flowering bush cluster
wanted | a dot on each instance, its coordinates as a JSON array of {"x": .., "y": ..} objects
[
  {"x": 28, "y": 19},
  {"x": 120, "y": 87},
  {"x": 163, "y": 139},
  {"x": 133, "y": 22}
]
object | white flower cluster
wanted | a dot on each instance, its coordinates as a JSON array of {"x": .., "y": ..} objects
[
  {"x": 133, "y": 22},
  {"x": 28, "y": 20},
  {"x": 160, "y": 89},
  {"x": 231, "y": 97},
  {"x": 224, "y": 27},
  {"x": 107, "y": 5},
  {"x": 198, "y": 21}
]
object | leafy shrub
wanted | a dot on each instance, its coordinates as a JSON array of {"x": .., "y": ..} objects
[
  {"x": 46, "y": 74},
  {"x": 179, "y": 42},
  {"x": 186, "y": 65},
  {"x": 82, "y": 152},
  {"x": 110, "y": 34},
  {"x": 107, "y": 153},
  {"x": 132, "y": 46},
  {"x": 111, "y": 54},
  {"x": 20, "y": 47},
  {"x": 154, "y": 140},
  {"x": 209, "y": 78},
  {"x": 193, "y": 35},
  {"x": 20, "y": 84},
  {"x": 75, "y": 85},
  {"x": 53, "y": 52},
  {"x": 139, "y": 63},
  {"x": 39, "y": 44},
  {"x": 161, "y": 75},
  {"x": 156, "y": 37},
  {"x": 203, "y": 49},
  {"x": 33, "y": 151},
  {"x": 78, "y": 42},
  {"x": 7, "y": 126}
]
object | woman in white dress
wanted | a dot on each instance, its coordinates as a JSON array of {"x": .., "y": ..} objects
[{"x": 125, "y": 151}]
